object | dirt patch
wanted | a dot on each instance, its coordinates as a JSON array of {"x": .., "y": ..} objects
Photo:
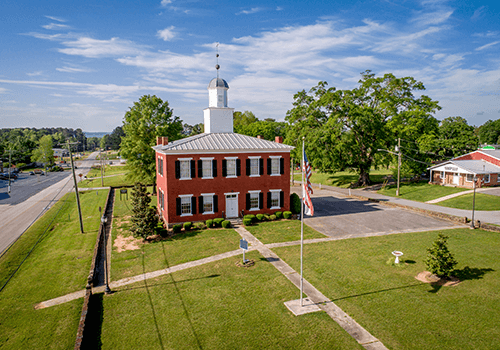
[
  {"x": 428, "y": 277},
  {"x": 126, "y": 243}
]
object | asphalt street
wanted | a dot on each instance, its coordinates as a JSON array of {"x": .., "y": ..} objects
[{"x": 30, "y": 197}]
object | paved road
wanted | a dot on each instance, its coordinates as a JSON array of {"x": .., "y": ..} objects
[
  {"x": 337, "y": 215},
  {"x": 27, "y": 203}
]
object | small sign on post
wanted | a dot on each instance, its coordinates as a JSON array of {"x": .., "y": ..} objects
[{"x": 244, "y": 246}]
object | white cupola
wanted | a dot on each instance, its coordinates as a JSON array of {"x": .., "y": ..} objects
[{"x": 218, "y": 117}]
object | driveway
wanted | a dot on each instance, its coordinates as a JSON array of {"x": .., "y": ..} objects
[{"x": 339, "y": 216}]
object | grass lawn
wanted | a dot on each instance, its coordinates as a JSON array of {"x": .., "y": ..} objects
[
  {"x": 156, "y": 255},
  {"x": 343, "y": 178},
  {"x": 420, "y": 191},
  {"x": 108, "y": 170},
  {"x": 58, "y": 265},
  {"x": 215, "y": 306},
  {"x": 118, "y": 180},
  {"x": 281, "y": 231},
  {"x": 360, "y": 277},
  {"x": 483, "y": 202}
]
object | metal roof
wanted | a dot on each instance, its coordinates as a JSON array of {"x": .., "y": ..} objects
[
  {"x": 222, "y": 142},
  {"x": 218, "y": 82},
  {"x": 471, "y": 166},
  {"x": 491, "y": 152}
]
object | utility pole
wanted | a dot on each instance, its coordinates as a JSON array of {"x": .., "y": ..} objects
[
  {"x": 398, "y": 149},
  {"x": 100, "y": 160},
  {"x": 10, "y": 167},
  {"x": 76, "y": 188}
]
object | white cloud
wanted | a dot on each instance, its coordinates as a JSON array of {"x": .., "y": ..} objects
[
  {"x": 165, "y": 2},
  {"x": 58, "y": 19},
  {"x": 3, "y": 90},
  {"x": 167, "y": 34},
  {"x": 251, "y": 11},
  {"x": 56, "y": 26},
  {"x": 478, "y": 13},
  {"x": 34, "y": 74},
  {"x": 74, "y": 70},
  {"x": 487, "y": 45},
  {"x": 279, "y": 8},
  {"x": 95, "y": 48},
  {"x": 432, "y": 18}
]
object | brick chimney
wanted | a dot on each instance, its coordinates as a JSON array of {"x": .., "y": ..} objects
[
  {"x": 278, "y": 139},
  {"x": 161, "y": 140},
  {"x": 259, "y": 136}
]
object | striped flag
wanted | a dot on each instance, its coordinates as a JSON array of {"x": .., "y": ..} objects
[{"x": 307, "y": 187}]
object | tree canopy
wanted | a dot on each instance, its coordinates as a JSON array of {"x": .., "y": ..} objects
[
  {"x": 489, "y": 132},
  {"x": 455, "y": 137},
  {"x": 344, "y": 129},
  {"x": 148, "y": 118},
  {"x": 44, "y": 153}
]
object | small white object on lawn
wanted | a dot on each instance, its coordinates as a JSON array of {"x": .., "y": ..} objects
[{"x": 397, "y": 254}]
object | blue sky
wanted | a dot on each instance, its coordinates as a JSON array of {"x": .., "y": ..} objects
[{"x": 82, "y": 64}]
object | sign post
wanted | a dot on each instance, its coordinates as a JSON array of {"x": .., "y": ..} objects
[{"x": 244, "y": 246}]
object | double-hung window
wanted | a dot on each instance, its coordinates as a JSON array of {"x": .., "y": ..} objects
[
  {"x": 206, "y": 168},
  {"x": 486, "y": 178},
  {"x": 208, "y": 203},
  {"x": 186, "y": 205},
  {"x": 185, "y": 169},
  {"x": 254, "y": 200},
  {"x": 469, "y": 178},
  {"x": 231, "y": 167},
  {"x": 275, "y": 199},
  {"x": 275, "y": 166},
  {"x": 160, "y": 166},
  {"x": 254, "y": 167}
]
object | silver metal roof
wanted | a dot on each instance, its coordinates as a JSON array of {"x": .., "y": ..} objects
[
  {"x": 218, "y": 82},
  {"x": 491, "y": 152},
  {"x": 222, "y": 142},
  {"x": 470, "y": 166}
]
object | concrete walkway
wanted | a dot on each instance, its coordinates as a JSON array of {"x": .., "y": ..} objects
[{"x": 458, "y": 194}]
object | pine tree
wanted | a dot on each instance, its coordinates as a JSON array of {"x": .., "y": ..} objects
[
  {"x": 144, "y": 218},
  {"x": 440, "y": 261}
]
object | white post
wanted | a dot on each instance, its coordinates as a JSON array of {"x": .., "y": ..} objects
[{"x": 302, "y": 228}]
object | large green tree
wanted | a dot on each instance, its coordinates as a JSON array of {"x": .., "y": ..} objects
[
  {"x": 489, "y": 132},
  {"x": 267, "y": 129},
  {"x": 44, "y": 153},
  {"x": 344, "y": 129},
  {"x": 455, "y": 138},
  {"x": 148, "y": 118},
  {"x": 242, "y": 119}
]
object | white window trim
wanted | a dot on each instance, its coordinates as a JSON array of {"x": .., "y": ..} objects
[
  {"x": 160, "y": 173},
  {"x": 236, "y": 170},
  {"x": 274, "y": 156},
  {"x": 258, "y": 167},
  {"x": 255, "y": 191},
  {"x": 205, "y": 158},
  {"x": 442, "y": 175},
  {"x": 489, "y": 178},
  {"x": 211, "y": 169},
  {"x": 466, "y": 175},
  {"x": 258, "y": 200},
  {"x": 208, "y": 195},
  {"x": 275, "y": 191},
  {"x": 254, "y": 157},
  {"x": 162, "y": 205},
  {"x": 225, "y": 194},
  {"x": 185, "y": 196},
  {"x": 190, "y": 175},
  {"x": 279, "y": 165},
  {"x": 230, "y": 158}
]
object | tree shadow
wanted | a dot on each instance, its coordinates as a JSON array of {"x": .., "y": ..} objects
[
  {"x": 270, "y": 259},
  {"x": 377, "y": 291},
  {"x": 471, "y": 273},
  {"x": 167, "y": 283}
]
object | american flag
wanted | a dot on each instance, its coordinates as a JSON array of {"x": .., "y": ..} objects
[{"x": 307, "y": 187}]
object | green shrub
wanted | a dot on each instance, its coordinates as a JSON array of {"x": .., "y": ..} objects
[
  {"x": 199, "y": 225},
  {"x": 177, "y": 228},
  {"x": 287, "y": 215},
  {"x": 209, "y": 223},
  {"x": 295, "y": 203},
  {"x": 272, "y": 217},
  {"x": 279, "y": 215},
  {"x": 260, "y": 217},
  {"x": 440, "y": 261},
  {"x": 266, "y": 217},
  {"x": 250, "y": 216},
  {"x": 218, "y": 222},
  {"x": 226, "y": 224},
  {"x": 247, "y": 222},
  {"x": 187, "y": 225}
]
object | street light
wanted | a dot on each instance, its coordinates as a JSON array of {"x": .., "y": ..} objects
[
  {"x": 398, "y": 149},
  {"x": 473, "y": 203},
  {"x": 104, "y": 220}
]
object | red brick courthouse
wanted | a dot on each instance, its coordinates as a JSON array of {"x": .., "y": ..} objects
[{"x": 220, "y": 173}]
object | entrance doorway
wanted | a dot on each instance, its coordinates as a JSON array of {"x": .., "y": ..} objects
[
  {"x": 232, "y": 205},
  {"x": 456, "y": 179}
]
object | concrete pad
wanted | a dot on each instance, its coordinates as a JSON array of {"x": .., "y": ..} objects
[{"x": 307, "y": 306}]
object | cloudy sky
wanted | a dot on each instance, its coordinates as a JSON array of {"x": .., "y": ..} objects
[{"x": 82, "y": 64}]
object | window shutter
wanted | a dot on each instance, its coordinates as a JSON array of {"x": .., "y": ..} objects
[
  {"x": 248, "y": 167},
  {"x": 193, "y": 205},
  {"x": 224, "y": 167},
  {"x": 238, "y": 167},
  {"x": 216, "y": 204},
  {"x": 261, "y": 166},
  {"x": 248, "y": 201},
  {"x": 261, "y": 200},
  {"x": 200, "y": 168},
  {"x": 178, "y": 206},
  {"x": 193, "y": 169},
  {"x": 177, "y": 169},
  {"x": 200, "y": 204},
  {"x": 268, "y": 166},
  {"x": 282, "y": 166},
  {"x": 268, "y": 200},
  {"x": 214, "y": 168},
  {"x": 282, "y": 199}
]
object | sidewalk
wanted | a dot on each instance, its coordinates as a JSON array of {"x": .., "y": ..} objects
[
  {"x": 458, "y": 194},
  {"x": 492, "y": 217}
]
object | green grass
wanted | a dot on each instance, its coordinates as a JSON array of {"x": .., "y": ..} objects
[
  {"x": 359, "y": 276},
  {"x": 108, "y": 170},
  {"x": 165, "y": 252},
  {"x": 483, "y": 202},
  {"x": 281, "y": 231},
  {"x": 420, "y": 191},
  {"x": 343, "y": 178},
  {"x": 58, "y": 265},
  {"x": 116, "y": 181},
  {"x": 216, "y": 306}
]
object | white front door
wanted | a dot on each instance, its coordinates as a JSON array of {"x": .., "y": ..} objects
[
  {"x": 231, "y": 205},
  {"x": 455, "y": 178}
]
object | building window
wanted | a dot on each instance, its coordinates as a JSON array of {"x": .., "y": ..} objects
[
  {"x": 185, "y": 169},
  {"x": 160, "y": 166},
  {"x": 231, "y": 167},
  {"x": 254, "y": 167},
  {"x": 254, "y": 201},
  {"x": 208, "y": 204},
  {"x": 161, "y": 199},
  {"x": 486, "y": 178},
  {"x": 275, "y": 199},
  {"x": 185, "y": 205},
  {"x": 207, "y": 168},
  {"x": 469, "y": 178},
  {"x": 441, "y": 175},
  {"x": 275, "y": 166}
]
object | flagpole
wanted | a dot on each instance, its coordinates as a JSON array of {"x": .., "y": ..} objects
[{"x": 302, "y": 229}]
